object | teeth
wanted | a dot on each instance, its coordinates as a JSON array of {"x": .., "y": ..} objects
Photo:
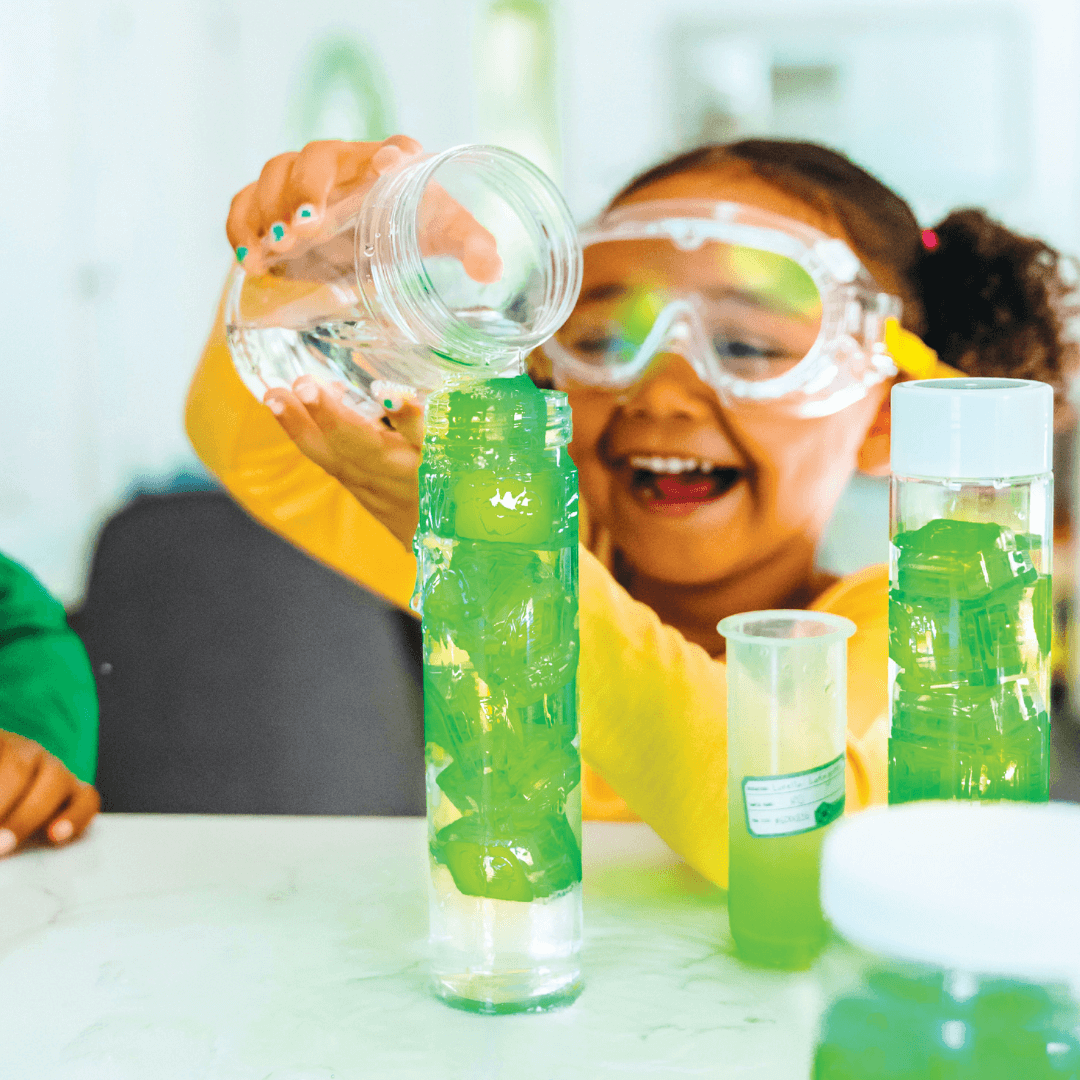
[{"x": 671, "y": 464}]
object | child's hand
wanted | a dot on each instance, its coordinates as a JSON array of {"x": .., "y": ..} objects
[
  {"x": 290, "y": 200},
  {"x": 376, "y": 463},
  {"x": 38, "y": 794}
]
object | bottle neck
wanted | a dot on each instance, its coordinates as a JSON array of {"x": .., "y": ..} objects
[{"x": 505, "y": 415}]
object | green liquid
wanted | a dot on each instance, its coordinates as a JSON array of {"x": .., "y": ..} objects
[
  {"x": 497, "y": 547},
  {"x": 910, "y": 1027},
  {"x": 969, "y": 632},
  {"x": 773, "y": 899}
]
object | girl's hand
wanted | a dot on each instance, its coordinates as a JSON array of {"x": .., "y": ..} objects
[
  {"x": 290, "y": 200},
  {"x": 376, "y": 460},
  {"x": 38, "y": 794}
]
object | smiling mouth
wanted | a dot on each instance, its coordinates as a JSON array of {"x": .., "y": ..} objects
[{"x": 678, "y": 482}]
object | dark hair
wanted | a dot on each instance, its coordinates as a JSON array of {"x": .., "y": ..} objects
[{"x": 989, "y": 301}]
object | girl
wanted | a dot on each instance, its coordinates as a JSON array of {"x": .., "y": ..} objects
[{"x": 708, "y": 469}]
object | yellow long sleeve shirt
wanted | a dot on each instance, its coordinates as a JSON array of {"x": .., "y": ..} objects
[{"x": 655, "y": 744}]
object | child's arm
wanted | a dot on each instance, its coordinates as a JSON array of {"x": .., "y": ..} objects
[
  {"x": 48, "y": 716},
  {"x": 242, "y": 443},
  {"x": 359, "y": 520}
]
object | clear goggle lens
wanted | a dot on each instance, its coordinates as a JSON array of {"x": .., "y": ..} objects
[
  {"x": 765, "y": 309},
  {"x": 755, "y": 314}
]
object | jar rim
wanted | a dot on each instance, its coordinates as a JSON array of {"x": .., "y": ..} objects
[{"x": 405, "y": 286}]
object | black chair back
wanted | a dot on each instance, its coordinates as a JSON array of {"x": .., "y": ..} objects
[{"x": 237, "y": 675}]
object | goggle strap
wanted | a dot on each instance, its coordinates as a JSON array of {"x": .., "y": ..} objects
[{"x": 913, "y": 356}]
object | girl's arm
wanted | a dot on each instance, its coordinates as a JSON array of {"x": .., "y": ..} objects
[
  {"x": 242, "y": 443},
  {"x": 654, "y": 718}
]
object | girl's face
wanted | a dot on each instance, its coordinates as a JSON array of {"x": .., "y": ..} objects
[{"x": 762, "y": 483}]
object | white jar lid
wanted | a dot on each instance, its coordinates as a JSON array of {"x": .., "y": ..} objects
[
  {"x": 972, "y": 429},
  {"x": 982, "y": 888}
]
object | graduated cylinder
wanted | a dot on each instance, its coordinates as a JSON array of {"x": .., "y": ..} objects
[
  {"x": 970, "y": 604},
  {"x": 497, "y": 586}
]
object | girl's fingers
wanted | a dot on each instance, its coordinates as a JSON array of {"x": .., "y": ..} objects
[
  {"x": 274, "y": 206},
  {"x": 447, "y": 228},
  {"x": 292, "y": 192},
  {"x": 318, "y": 170},
  {"x": 375, "y": 463},
  {"x": 292, "y": 415},
  {"x": 72, "y": 820},
  {"x": 409, "y": 422},
  {"x": 402, "y": 409},
  {"x": 359, "y": 439},
  {"x": 368, "y": 454},
  {"x": 242, "y": 226},
  {"x": 325, "y": 169},
  {"x": 404, "y": 143},
  {"x": 50, "y": 789},
  {"x": 392, "y": 151}
]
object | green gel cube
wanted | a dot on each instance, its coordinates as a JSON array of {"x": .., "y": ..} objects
[
  {"x": 521, "y": 859},
  {"x": 962, "y": 560}
]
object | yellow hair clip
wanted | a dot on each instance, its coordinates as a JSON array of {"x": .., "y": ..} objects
[{"x": 913, "y": 356}]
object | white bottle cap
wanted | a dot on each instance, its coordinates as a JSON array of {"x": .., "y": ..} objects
[
  {"x": 987, "y": 888},
  {"x": 972, "y": 429}
]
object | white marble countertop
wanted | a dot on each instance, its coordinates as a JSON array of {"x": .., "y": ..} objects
[{"x": 233, "y": 948}]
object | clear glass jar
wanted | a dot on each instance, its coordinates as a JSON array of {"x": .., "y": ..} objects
[
  {"x": 376, "y": 294},
  {"x": 967, "y": 953},
  {"x": 497, "y": 587},
  {"x": 970, "y": 605}
]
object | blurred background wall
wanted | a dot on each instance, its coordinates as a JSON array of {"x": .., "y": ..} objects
[{"x": 127, "y": 125}]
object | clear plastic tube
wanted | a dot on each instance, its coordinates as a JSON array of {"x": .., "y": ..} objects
[
  {"x": 497, "y": 586},
  {"x": 787, "y": 713}
]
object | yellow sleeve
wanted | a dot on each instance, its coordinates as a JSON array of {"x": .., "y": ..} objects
[
  {"x": 654, "y": 713},
  {"x": 654, "y": 720},
  {"x": 239, "y": 440}
]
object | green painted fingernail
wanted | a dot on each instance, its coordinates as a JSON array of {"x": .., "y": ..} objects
[
  {"x": 307, "y": 211},
  {"x": 389, "y": 403},
  {"x": 241, "y": 254},
  {"x": 277, "y": 231}
]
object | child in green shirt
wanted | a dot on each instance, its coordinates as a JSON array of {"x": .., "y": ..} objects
[{"x": 48, "y": 717}]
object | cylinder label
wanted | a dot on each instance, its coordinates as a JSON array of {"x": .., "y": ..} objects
[{"x": 794, "y": 802}]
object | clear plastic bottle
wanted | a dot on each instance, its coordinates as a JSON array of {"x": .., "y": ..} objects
[
  {"x": 970, "y": 953},
  {"x": 497, "y": 585},
  {"x": 372, "y": 295},
  {"x": 970, "y": 608}
]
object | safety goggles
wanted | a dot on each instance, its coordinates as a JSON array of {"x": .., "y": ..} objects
[{"x": 765, "y": 309}]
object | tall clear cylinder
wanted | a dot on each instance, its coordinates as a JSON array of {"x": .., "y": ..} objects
[
  {"x": 497, "y": 588},
  {"x": 970, "y": 605}
]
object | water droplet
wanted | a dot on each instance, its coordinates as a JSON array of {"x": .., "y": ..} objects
[{"x": 369, "y": 250}]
